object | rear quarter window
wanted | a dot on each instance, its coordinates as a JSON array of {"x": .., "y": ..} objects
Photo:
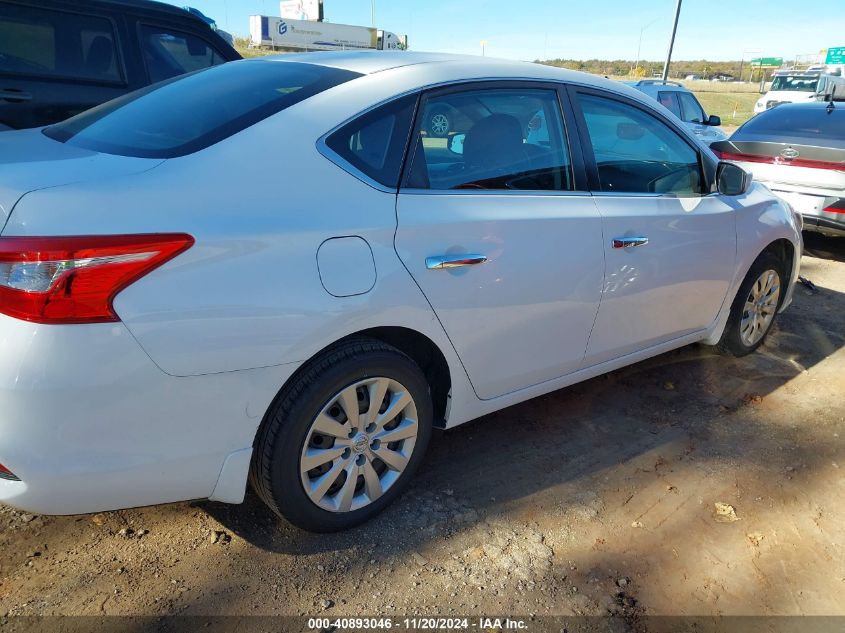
[
  {"x": 375, "y": 142},
  {"x": 192, "y": 112}
]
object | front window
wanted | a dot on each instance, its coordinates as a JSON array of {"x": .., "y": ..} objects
[
  {"x": 795, "y": 83},
  {"x": 692, "y": 109},
  {"x": 194, "y": 111},
  {"x": 637, "y": 153}
]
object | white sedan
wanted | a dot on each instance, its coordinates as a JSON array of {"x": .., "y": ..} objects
[{"x": 271, "y": 270}]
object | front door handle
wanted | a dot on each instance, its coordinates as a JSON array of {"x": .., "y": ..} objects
[
  {"x": 14, "y": 95},
  {"x": 442, "y": 262},
  {"x": 629, "y": 242}
]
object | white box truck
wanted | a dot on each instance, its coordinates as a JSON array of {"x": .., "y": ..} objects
[{"x": 309, "y": 35}]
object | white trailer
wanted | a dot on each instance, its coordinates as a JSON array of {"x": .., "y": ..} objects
[{"x": 309, "y": 35}]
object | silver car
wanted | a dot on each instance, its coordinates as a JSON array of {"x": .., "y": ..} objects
[
  {"x": 798, "y": 151},
  {"x": 683, "y": 104}
]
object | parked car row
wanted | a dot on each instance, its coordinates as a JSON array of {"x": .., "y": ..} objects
[{"x": 343, "y": 282}]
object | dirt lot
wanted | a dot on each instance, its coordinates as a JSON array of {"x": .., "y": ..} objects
[{"x": 688, "y": 484}]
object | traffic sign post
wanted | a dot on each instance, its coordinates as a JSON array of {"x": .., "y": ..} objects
[{"x": 765, "y": 62}]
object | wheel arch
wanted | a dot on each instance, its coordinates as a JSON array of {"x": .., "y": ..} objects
[
  {"x": 416, "y": 345},
  {"x": 786, "y": 250}
]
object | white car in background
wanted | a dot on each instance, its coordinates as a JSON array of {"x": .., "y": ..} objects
[
  {"x": 270, "y": 268},
  {"x": 800, "y": 87}
]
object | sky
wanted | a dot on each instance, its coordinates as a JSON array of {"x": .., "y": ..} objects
[{"x": 717, "y": 30}]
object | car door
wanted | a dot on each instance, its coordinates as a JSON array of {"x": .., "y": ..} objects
[
  {"x": 669, "y": 243},
  {"x": 497, "y": 230},
  {"x": 55, "y": 64}
]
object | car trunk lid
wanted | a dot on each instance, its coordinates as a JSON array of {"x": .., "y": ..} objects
[
  {"x": 29, "y": 161},
  {"x": 792, "y": 162}
]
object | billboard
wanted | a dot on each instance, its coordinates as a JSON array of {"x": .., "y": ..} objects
[{"x": 301, "y": 9}]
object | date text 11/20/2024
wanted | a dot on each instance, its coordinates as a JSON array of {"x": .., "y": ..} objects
[{"x": 418, "y": 624}]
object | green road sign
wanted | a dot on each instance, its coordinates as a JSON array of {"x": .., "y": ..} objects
[
  {"x": 835, "y": 55},
  {"x": 767, "y": 62}
]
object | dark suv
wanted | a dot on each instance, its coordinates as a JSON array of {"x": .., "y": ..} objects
[{"x": 60, "y": 57}]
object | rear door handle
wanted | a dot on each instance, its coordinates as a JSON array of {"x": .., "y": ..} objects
[
  {"x": 442, "y": 262},
  {"x": 14, "y": 95},
  {"x": 629, "y": 242}
]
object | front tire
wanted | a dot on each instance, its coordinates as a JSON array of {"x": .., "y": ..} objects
[
  {"x": 344, "y": 438},
  {"x": 755, "y": 306}
]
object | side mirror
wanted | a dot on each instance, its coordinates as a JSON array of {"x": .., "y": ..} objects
[
  {"x": 456, "y": 143},
  {"x": 714, "y": 120},
  {"x": 731, "y": 179}
]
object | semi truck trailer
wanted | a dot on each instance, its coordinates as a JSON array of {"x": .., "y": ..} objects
[{"x": 309, "y": 35}]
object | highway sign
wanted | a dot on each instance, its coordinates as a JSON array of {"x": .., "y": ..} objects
[
  {"x": 767, "y": 62},
  {"x": 835, "y": 55}
]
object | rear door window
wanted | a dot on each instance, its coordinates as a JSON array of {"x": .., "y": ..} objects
[
  {"x": 168, "y": 53},
  {"x": 493, "y": 139},
  {"x": 45, "y": 43}
]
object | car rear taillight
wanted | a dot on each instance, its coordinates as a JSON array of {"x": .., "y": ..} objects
[
  {"x": 5, "y": 473},
  {"x": 836, "y": 207},
  {"x": 778, "y": 160},
  {"x": 75, "y": 279}
]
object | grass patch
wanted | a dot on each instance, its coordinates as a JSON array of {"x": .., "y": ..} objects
[{"x": 735, "y": 108}]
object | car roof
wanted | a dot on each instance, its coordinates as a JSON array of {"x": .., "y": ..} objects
[
  {"x": 369, "y": 62},
  {"x": 142, "y": 5},
  {"x": 656, "y": 84}
]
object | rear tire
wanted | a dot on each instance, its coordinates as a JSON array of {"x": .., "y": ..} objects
[
  {"x": 755, "y": 306},
  {"x": 353, "y": 475}
]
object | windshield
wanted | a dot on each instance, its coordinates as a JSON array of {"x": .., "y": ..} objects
[
  {"x": 194, "y": 111},
  {"x": 805, "y": 83}
]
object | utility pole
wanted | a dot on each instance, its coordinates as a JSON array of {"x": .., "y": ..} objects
[
  {"x": 672, "y": 42},
  {"x": 640, "y": 46},
  {"x": 373, "y": 13}
]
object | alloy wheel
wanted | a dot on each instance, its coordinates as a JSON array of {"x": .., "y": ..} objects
[{"x": 760, "y": 307}]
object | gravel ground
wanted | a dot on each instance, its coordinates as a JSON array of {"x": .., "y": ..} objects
[{"x": 689, "y": 484}]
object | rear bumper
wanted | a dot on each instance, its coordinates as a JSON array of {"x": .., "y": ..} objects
[
  {"x": 88, "y": 422},
  {"x": 812, "y": 207}
]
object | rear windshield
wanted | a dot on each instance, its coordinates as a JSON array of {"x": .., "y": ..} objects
[
  {"x": 796, "y": 84},
  {"x": 192, "y": 112},
  {"x": 815, "y": 123}
]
